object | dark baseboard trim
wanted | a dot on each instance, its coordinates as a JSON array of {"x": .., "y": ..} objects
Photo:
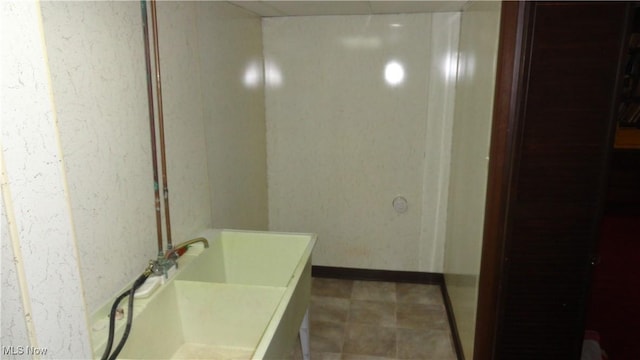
[
  {"x": 377, "y": 275},
  {"x": 457, "y": 344},
  {"x": 397, "y": 276}
]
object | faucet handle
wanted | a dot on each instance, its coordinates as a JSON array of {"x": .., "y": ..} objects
[{"x": 154, "y": 267}]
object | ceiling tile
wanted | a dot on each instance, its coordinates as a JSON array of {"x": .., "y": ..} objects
[
  {"x": 346, "y": 7},
  {"x": 261, "y": 8},
  {"x": 305, "y": 8},
  {"x": 394, "y": 7}
]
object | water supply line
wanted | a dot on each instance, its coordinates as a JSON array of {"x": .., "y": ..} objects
[
  {"x": 108, "y": 354},
  {"x": 152, "y": 125},
  {"x": 163, "y": 157}
]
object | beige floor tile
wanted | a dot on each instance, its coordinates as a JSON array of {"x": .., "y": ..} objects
[
  {"x": 419, "y": 316},
  {"x": 326, "y": 356},
  {"x": 326, "y": 337},
  {"x": 331, "y": 287},
  {"x": 363, "y": 357},
  {"x": 329, "y": 309},
  {"x": 370, "y": 320},
  {"x": 425, "y": 345},
  {"x": 373, "y": 312},
  {"x": 419, "y": 294},
  {"x": 370, "y": 340},
  {"x": 374, "y": 290}
]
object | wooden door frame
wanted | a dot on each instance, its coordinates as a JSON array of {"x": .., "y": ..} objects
[
  {"x": 505, "y": 135},
  {"x": 501, "y": 154}
]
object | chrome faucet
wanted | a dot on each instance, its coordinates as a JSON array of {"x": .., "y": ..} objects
[
  {"x": 165, "y": 262},
  {"x": 170, "y": 253}
]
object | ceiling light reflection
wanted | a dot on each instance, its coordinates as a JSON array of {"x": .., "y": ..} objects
[
  {"x": 466, "y": 65},
  {"x": 252, "y": 75},
  {"x": 449, "y": 66},
  {"x": 273, "y": 74},
  {"x": 394, "y": 73},
  {"x": 361, "y": 42}
]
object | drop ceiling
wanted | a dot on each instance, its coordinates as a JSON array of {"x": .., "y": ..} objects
[{"x": 309, "y": 8}]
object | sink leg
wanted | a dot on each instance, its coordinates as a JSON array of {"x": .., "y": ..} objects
[{"x": 304, "y": 336}]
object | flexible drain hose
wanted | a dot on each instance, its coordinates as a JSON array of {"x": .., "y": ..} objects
[{"x": 112, "y": 318}]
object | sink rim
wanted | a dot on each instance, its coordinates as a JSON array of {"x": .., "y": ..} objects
[{"x": 229, "y": 268}]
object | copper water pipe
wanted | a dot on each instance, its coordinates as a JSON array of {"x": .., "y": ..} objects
[
  {"x": 152, "y": 125},
  {"x": 163, "y": 157}
]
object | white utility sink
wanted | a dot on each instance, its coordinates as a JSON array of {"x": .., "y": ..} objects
[
  {"x": 250, "y": 258},
  {"x": 242, "y": 298}
]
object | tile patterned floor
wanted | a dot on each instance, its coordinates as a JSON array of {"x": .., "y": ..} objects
[{"x": 369, "y": 320}]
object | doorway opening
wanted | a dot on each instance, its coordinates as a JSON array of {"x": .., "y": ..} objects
[{"x": 613, "y": 313}]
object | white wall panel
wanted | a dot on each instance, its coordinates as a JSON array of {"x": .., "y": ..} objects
[
  {"x": 44, "y": 283},
  {"x": 230, "y": 53},
  {"x": 469, "y": 162},
  {"x": 343, "y": 140},
  {"x": 99, "y": 86}
]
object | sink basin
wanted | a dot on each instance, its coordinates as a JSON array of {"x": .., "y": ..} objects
[
  {"x": 248, "y": 257},
  {"x": 244, "y": 297},
  {"x": 207, "y": 321}
]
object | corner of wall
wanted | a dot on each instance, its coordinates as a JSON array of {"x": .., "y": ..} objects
[
  {"x": 35, "y": 192},
  {"x": 232, "y": 83},
  {"x": 440, "y": 114},
  {"x": 469, "y": 162}
]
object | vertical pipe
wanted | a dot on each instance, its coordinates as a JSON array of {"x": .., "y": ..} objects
[
  {"x": 152, "y": 125},
  {"x": 163, "y": 157}
]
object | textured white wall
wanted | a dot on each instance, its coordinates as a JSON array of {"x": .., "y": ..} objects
[
  {"x": 43, "y": 281},
  {"x": 230, "y": 52},
  {"x": 183, "y": 103},
  {"x": 469, "y": 161},
  {"x": 97, "y": 64},
  {"x": 99, "y": 86},
  {"x": 342, "y": 142},
  {"x": 12, "y": 314}
]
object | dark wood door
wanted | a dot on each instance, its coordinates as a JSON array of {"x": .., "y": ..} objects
[{"x": 557, "y": 135}]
